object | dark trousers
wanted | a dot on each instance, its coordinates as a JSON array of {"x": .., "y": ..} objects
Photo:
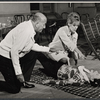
[
  {"x": 51, "y": 67},
  {"x": 11, "y": 83},
  {"x": 28, "y": 61},
  {"x": 27, "y": 64}
]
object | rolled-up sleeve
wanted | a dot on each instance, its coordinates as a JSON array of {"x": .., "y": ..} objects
[
  {"x": 39, "y": 48},
  {"x": 66, "y": 40}
]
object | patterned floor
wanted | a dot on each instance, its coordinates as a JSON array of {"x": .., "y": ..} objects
[{"x": 85, "y": 90}]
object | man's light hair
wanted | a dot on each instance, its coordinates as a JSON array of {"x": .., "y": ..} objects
[{"x": 39, "y": 17}]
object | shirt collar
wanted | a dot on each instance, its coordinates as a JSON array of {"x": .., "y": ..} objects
[{"x": 69, "y": 32}]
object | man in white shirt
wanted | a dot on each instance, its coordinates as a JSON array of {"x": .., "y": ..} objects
[{"x": 16, "y": 56}]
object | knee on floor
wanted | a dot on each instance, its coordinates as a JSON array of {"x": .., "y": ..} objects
[{"x": 15, "y": 90}]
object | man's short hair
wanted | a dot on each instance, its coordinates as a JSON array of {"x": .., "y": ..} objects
[
  {"x": 35, "y": 17},
  {"x": 39, "y": 17},
  {"x": 73, "y": 17}
]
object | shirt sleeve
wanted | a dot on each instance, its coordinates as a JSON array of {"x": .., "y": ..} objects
[
  {"x": 19, "y": 42},
  {"x": 66, "y": 40},
  {"x": 39, "y": 48}
]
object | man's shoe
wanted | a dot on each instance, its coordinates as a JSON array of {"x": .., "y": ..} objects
[{"x": 28, "y": 85}]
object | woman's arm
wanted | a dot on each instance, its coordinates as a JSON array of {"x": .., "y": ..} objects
[{"x": 79, "y": 53}]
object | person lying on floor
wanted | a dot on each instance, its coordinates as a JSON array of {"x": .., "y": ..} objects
[{"x": 76, "y": 76}]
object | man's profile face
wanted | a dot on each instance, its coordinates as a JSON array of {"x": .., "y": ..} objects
[{"x": 41, "y": 25}]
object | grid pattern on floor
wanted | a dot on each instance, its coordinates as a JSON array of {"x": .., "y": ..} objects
[{"x": 85, "y": 90}]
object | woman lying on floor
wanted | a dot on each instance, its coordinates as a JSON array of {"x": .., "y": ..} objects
[{"x": 75, "y": 76}]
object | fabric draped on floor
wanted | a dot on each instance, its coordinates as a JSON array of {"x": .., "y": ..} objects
[{"x": 85, "y": 90}]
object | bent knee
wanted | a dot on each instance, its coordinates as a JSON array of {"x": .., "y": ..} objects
[
  {"x": 15, "y": 90},
  {"x": 64, "y": 60}
]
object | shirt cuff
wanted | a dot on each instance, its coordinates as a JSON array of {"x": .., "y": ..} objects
[{"x": 17, "y": 70}]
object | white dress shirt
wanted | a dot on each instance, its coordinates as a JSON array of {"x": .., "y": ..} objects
[
  {"x": 62, "y": 42},
  {"x": 64, "y": 35},
  {"x": 18, "y": 42}
]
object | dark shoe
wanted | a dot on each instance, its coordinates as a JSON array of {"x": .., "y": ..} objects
[{"x": 28, "y": 85}]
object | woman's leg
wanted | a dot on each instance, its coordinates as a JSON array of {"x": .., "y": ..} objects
[
  {"x": 11, "y": 83},
  {"x": 51, "y": 67}
]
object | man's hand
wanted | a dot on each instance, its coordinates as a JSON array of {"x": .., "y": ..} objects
[{"x": 21, "y": 78}]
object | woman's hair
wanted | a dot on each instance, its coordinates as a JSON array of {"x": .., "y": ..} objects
[{"x": 73, "y": 17}]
